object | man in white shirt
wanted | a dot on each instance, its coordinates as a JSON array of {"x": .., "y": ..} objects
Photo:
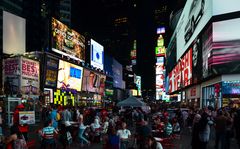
[{"x": 124, "y": 135}]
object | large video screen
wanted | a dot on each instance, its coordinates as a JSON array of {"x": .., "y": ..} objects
[
  {"x": 13, "y": 34},
  {"x": 69, "y": 76},
  {"x": 231, "y": 88},
  {"x": 91, "y": 81},
  {"x": 117, "y": 74},
  {"x": 222, "y": 55},
  {"x": 97, "y": 55},
  {"x": 67, "y": 42}
]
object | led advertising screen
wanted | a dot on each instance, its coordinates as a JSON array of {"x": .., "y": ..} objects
[
  {"x": 160, "y": 65},
  {"x": 230, "y": 88},
  {"x": 91, "y": 81},
  {"x": 13, "y": 34},
  {"x": 221, "y": 46},
  {"x": 108, "y": 62},
  {"x": 67, "y": 42},
  {"x": 51, "y": 72},
  {"x": 138, "y": 84},
  {"x": 117, "y": 74},
  {"x": 160, "y": 51},
  {"x": 181, "y": 75},
  {"x": 97, "y": 55},
  {"x": 223, "y": 6},
  {"x": 69, "y": 76},
  {"x": 161, "y": 30},
  {"x": 195, "y": 16}
]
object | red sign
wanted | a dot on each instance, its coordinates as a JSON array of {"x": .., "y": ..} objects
[{"x": 181, "y": 75}]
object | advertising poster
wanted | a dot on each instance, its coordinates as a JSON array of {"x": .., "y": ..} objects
[
  {"x": 108, "y": 62},
  {"x": 97, "y": 55},
  {"x": 30, "y": 77},
  {"x": 91, "y": 81},
  {"x": 69, "y": 76},
  {"x": 27, "y": 117},
  {"x": 11, "y": 75},
  {"x": 51, "y": 72},
  {"x": 102, "y": 84},
  {"x": 160, "y": 51},
  {"x": 138, "y": 83},
  {"x": 197, "y": 60},
  {"x": 67, "y": 42}
]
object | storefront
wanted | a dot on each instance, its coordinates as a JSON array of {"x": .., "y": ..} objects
[{"x": 221, "y": 91}]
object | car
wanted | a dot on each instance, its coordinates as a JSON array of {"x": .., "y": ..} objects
[{"x": 195, "y": 14}]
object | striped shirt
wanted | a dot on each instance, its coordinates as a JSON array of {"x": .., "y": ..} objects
[{"x": 48, "y": 132}]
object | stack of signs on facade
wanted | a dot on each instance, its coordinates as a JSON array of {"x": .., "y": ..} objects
[{"x": 21, "y": 76}]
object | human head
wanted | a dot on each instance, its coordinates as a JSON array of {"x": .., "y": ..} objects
[
  {"x": 124, "y": 125},
  {"x": 196, "y": 119}
]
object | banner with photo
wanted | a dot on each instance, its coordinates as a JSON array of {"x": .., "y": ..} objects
[
  {"x": 30, "y": 81},
  {"x": 91, "y": 81},
  {"x": 67, "y": 42},
  {"x": 51, "y": 72}
]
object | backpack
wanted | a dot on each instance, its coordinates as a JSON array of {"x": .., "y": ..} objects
[{"x": 58, "y": 117}]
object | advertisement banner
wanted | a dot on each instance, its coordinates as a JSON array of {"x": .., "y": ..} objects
[
  {"x": 117, "y": 74},
  {"x": 197, "y": 60},
  {"x": 102, "y": 85},
  {"x": 26, "y": 117},
  {"x": 51, "y": 72},
  {"x": 69, "y": 76},
  {"x": 30, "y": 81},
  {"x": 67, "y": 42},
  {"x": 160, "y": 51},
  {"x": 91, "y": 81},
  {"x": 97, "y": 55},
  {"x": 181, "y": 75},
  {"x": 194, "y": 17},
  {"x": 11, "y": 75},
  {"x": 138, "y": 82}
]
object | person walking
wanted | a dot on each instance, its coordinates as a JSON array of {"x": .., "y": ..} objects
[
  {"x": 195, "y": 132},
  {"x": 53, "y": 116},
  {"x": 204, "y": 130},
  {"x": 81, "y": 131},
  {"x": 47, "y": 134},
  {"x": 124, "y": 135},
  {"x": 221, "y": 125}
]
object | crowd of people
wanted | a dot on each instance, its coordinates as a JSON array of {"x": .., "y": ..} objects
[{"x": 123, "y": 129}]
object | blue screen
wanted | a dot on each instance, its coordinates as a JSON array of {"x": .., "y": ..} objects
[{"x": 75, "y": 73}]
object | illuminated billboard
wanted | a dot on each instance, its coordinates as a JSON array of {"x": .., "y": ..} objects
[
  {"x": 133, "y": 53},
  {"x": 51, "y": 72},
  {"x": 181, "y": 75},
  {"x": 91, "y": 81},
  {"x": 138, "y": 84},
  {"x": 13, "y": 34},
  {"x": 97, "y": 55},
  {"x": 196, "y": 14},
  {"x": 161, "y": 30},
  {"x": 221, "y": 56},
  {"x": 69, "y": 76},
  {"x": 67, "y": 42},
  {"x": 160, "y": 51}
]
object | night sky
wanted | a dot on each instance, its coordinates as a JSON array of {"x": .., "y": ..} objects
[{"x": 95, "y": 17}]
